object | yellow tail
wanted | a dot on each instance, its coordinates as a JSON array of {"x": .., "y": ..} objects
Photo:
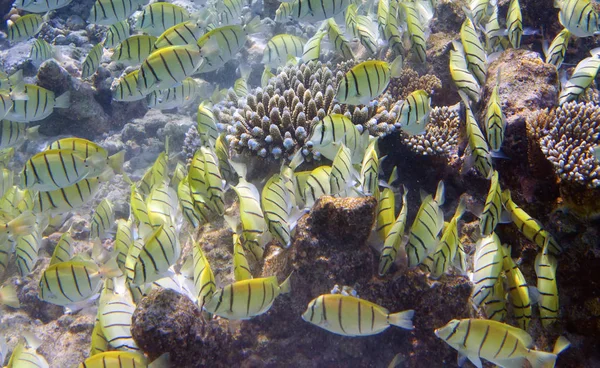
[{"x": 8, "y": 296}]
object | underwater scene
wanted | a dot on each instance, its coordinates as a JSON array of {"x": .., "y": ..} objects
[{"x": 299, "y": 183}]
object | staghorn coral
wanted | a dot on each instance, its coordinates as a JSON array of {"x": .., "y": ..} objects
[
  {"x": 276, "y": 121},
  {"x": 566, "y": 136},
  {"x": 410, "y": 81},
  {"x": 442, "y": 134}
]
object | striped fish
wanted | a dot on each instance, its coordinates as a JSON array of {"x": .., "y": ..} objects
[
  {"x": 6, "y": 102},
  {"x": 130, "y": 262},
  {"x": 72, "y": 197},
  {"x": 493, "y": 32},
  {"x": 479, "y": 151},
  {"x": 185, "y": 33},
  {"x": 184, "y": 194},
  {"x": 115, "y": 315},
  {"x": 123, "y": 241},
  {"x": 583, "y": 76},
  {"x": 13, "y": 134},
  {"x": 310, "y": 10},
  {"x": 487, "y": 266},
  {"x": 40, "y": 6},
  {"x": 482, "y": 10},
  {"x": 63, "y": 251},
  {"x": 68, "y": 283},
  {"x": 494, "y": 305},
  {"x": 16, "y": 202},
  {"x": 102, "y": 220},
  {"x": 438, "y": 262},
  {"x": 161, "y": 205},
  {"x": 40, "y": 52},
  {"x": 121, "y": 359},
  {"x": 339, "y": 41},
  {"x": 230, "y": 11},
  {"x": 27, "y": 249},
  {"x": 369, "y": 171},
  {"x": 462, "y": 77},
  {"x": 394, "y": 237},
  {"x": 6, "y": 155},
  {"x": 92, "y": 61},
  {"x": 155, "y": 175},
  {"x": 415, "y": 29},
  {"x": 158, "y": 17},
  {"x": 98, "y": 343},
  {"x": 266, "y": 77},
  {"x": 351, "y": 19},
  {"x": 204, "y": 279},
  {"x": 214, "y": 181},
  {"x": 492, "y": 210},
  {"x": 276, "y": 203},
  {"x": 207, "y": 125},
  {"x": 366, "y": 33},
  {"x": 108, "y": 12},
  {"x": 391, "y": 32},
  {"x": 25, "y": 354},
  {"x": 6, "y": 180},
  {"x": 88, "y": 149},
  {"x": 386, "y": 208},
  {"x": 342, "y": 175},
  {"x": 38, "y": 105},
  {"x": 241, "y": 269},
  {"x": 555, "y": 53},
  {"x": 528, "y": 226},
  {"x": 168, "y": 67},
  {"x": 424, "y": 232},
  {"x": 160, "y": 251},
  {"x": 116, "y": 33},
  {"x": 517, "y": 289},
  {"x": 545, "y": 269},
  {"x": 174, "y": 97},
  {"x": 247, "y": 298},
  {"x": 138, "y": 207},
  {"x": 252, "y": 218},
  {"x": 7, "y": 82},
  {"x": 222, "y": 152},
  {"x": 6, "y": 249},
  {"x": 414, "y": 113},
  {"x": 367, "y": 81},
  {"x": 281, "y": 47},
  {"x": 493, "y": 341},
  {"x": 317, "y": 185},
  {"x": 335, "y": 129},
  {"x": 383, "y": 12},
  {"x": 312, "y": 47},
  {"x": 24, "y": 27},
  {"x": 350, "y": 316},
  {"x": 474, "y": 51},
  {"x": 178, "y": 175},
  {"x": 578, "y": 16},
  {"x": 126, "y": 88},
  {"x": 134, "y": 50},
  {"x": 514, "y": 22},
  {"x": 495, "y": 122}
]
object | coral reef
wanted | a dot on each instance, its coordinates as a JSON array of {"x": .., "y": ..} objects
[
  {"x": 410, "y": 81},
  {"x": 442, "y": 134}
]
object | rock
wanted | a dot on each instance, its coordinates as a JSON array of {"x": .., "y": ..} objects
[
  {"x": 79, "y": 38},
  {"x": 75, "y": 23},
  {"x": 16, "y": 57},
  {"x": 168, "y": 322}
]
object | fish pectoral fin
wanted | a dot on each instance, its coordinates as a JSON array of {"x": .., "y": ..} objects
[
  {"x": 461, "y": 359},
  {"x": 475, "y": 360}
]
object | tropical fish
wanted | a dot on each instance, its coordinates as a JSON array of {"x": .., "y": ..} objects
[
  {"x": 116, "y": 34},
  {"x": 40, "y": 52},
  {"x": 496, "y": 342},
  {"x": 487, "y": 266},
  {"x": 463, "y": 78},
  {"x": 366, "y": 33},
  {"x": 366, "y": 81},
  {"x": 528, "y": 226},
  {"x": 6, "y": 180},
  {"x": 89, "y": 149},
  {"x": 351, "y": 19},
  {"x": 8, "y": 296},
  {"x": 394, "y": 237},
  {"x": 266, "y": 77},
  {"x": 414, "y": 113},
  {"x": 24, "y": 27},
  {"x": 578, "y": 16},
  {"x": 92, "y": 61},
  {"x": 304, "y": 10},
  {"x": 479, "y": 151},
  {"x": 514, "y": 21},
  {"x": 386, "y": 207},
  {"x": 125, "y": 359},
  {"x": 115, "y": 315},
  {"x": 438, "y": 262},
  {"x": 493, "y": 32},
  {"x": 8, "y": 82},
  {"x": 134, "y": 50},
  {"x": 65, "y": 199},
  {"x": 545, "y": 269},
  {"x": 13, "y": 134},
  {"x": 251, "y": 216},
  {"x": 423, "y": 234},
  {"x": 494, "y": 305},
  {"x": 492, "y": 210},
  {"x": 184, "y": 194},
  {"x": 126, "y": 88},
  {"x": 276, "y": 203},
  {"x": 98, "y": 343},
  {"x": 341, "y": 314},
  {"x": 317, "y": 185},
  {"x": 281, "y": 47},
  {"x": 247, "y": 298},
  {"x": 555, "y": 53},
  {"x": 185, "y": 33},
  {"x": 102, "y": 220},
  {"x": 25, "y": 353},
  {"x": 312, "y": 47},
  {"x": 517, "y": 289},
  {"x": 63, "y": 251},
  {"x": 333, "y": 130},
  {"x": 123, "y": 241},
  {"x": 161, "y": 205},
  {"x": 416, "y": 30},
  {"x": 207, "y": 125},
  {"x": 495, "y": 122},
  {"x": 156, "y": 174},
  {"x": 37, "y": 104},
  {"x": 583, "y": 76},
  {"x": 342, "y": 173},
  {"x": 369, "y": 172},
  {"x": 482, "y": 10},
  {"x": 339, "y": 41},
  {"x": 474, "y": 51},
  {"x": 108, "y": 12},
  {"x": 391, "y": 29},
  {"x": 204, "y": 279},
  {"x": 179, "y": 96},
  {"x": 241, "y": 269},
  {"x": 161, "y": 249},
  {"x": 75, "y": 281},
  {"x": 230, "y": 11},
  {"x": 156, "y": 18},
  {"x": 39, "y": 6}
]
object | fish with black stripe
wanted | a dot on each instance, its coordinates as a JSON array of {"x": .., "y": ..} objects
[
  {"x": 342, "y": 176},
  {"x": 464, "y": 80},
  {"x": 24, "y": 27},
  {"x": 583, "y": 76},
  {"x": 487, "y": 267},
  {"x": 72, "y": 197},
  {"x": 310, "y": 10},
  {"x": 134, "y": 50},
  {"x": 13, "y": 134},
  {"x": 555, "y": 53},
  {"x": 495, "y": 121},
  {"x": 204, "y": 278},
  {"x": 312, "y": 47},
  {"x": 416, "y": 30},
  {"x": 175, "y": 97},
  {"x": 123, "y": 241},
  {"x": 36, "y": 104},
  {"x": 241, "y": 269},
  {"x": 474, "y": 52},
  {"x": 545, "y": 269},
  {"x": 514, "y": 21},
  {"x": 41, "y": 51},
  {"x": 156, "y": 18},
  {"x": 281, "y": 47},
  {"x": 116, "y": 34},
  {"x": 340, "y": 43},
  {"x": 517, "y": 290},
  {"x": 25, "y": 353},
  {"x": 247, "y": 298},
  {"x": 115, "y": 316},
  {"x": 159, "y": 252},
  {"x": 369, "y": 171},
  {"x": 386, "y": 207},
  {"x": 480, "y": 156},
  {"x": 92, "y": 61},
  {"x": 28, "y": 246},
  {"x": 161, "y": 205},
  {"x": 494, "y": 306},
  {"x": 394, "y": 237},
  {"x": 207, "y": 125},
  {"x": 122, "y": 359},
  {"x": 126, "y": 88},
  {"x": 350, "y": 316},
  {"x": 425, "y": 230},
  {"x": 184, "y": 195},
  {"x": 252, "y": 219},
  {"x": 63, "y": 251},
  {"x": 316, "y": 185},
  {"x": 230, "y": 11},
  {"x": 185, "y": 33},
  {"x": 578, "y": 16},
  {"x": 367, "y": 81},
  {"x": 102, "y": 220},
  {"x": 40, "y": 6},
  {"x": 413, "y": 116},
  {"x": 492, "y": 210},
  {"x": 108, "y": 12},
  {"x": 276, "y": 203}
]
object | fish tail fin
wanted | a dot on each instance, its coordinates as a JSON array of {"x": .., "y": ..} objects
[
  {"x": 111, "y": 268},
  {"x": 63, "y": 101},
  {"x": 254, "y": 26},
  {"x": 462, "y": 206},
  {"x": 396, "y": 67},
  {"x": 286, "y": 286},
  {"x": 16, "y": 78},
  {"x": 33, "y": 132},
  {"x": 561, "y": 344},
  {"x": 8, "y": 296},
  {"x": 402, "y": 319},
  {"x": 161, "y": 362},
  {"x": 541, "y": 359},
  {"x": 24, "y": 224},
  {"x": 116, "y": 161},
  {"x": 439, "y": 194}
]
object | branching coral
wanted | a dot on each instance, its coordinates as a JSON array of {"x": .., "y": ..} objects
[
  {"x": 410, "y": 81},
  {"x": 442, "y": 133},
  {"x": 567, "y": 136}
]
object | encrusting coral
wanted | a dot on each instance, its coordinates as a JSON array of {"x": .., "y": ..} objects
[
  {"x": 409, "y": 81},
  {"x": 441, "y": 136},
  {"x": 567, "y": 136}
]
